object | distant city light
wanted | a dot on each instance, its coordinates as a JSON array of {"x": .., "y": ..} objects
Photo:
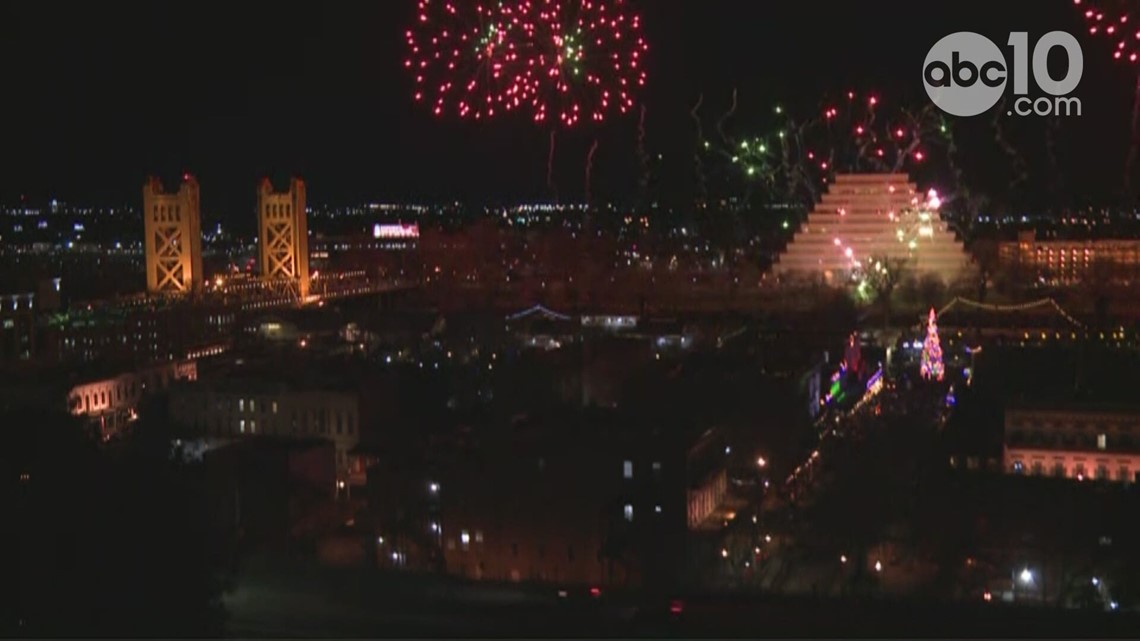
[{"x": 395, "y": 231}]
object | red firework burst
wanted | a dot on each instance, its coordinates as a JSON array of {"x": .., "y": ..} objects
[
  {"x": 584, "y": 58},
  {"x": 569, "y": 58},
  {"x": 464, "y": 58},
  {"x": 1119, "y": 21}
]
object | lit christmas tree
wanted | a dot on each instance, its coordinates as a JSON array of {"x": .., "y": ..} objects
[{"x": 932, "y": 367}]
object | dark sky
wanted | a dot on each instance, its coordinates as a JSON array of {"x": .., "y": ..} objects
[{"x": 99, "y": 94}]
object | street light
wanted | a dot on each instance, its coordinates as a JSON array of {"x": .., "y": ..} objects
[
  {"x": 878, "y": 566},
  {"x": 762, "y": 462},
  {"x": 1026, "y": 576},
  {"x": 843, "y": 558}
]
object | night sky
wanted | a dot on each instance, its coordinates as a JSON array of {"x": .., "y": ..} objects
[{"x": 99, "y": 94}]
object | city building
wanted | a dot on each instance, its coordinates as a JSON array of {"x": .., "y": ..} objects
[
  {"x": 111, "y": 404},
  {"x": 21, "y": 340},
  {"x": 140, "y": 331},
  {"x": 1071, "y": 261},
  {"x": 17, "y": 327},
  {"x": 597, "y": 503},
  {"x": 1073, "y": 442},
  {"x": 862, "y": 217},
  {"x": 391, "y": 250},
  {"x": 173, "y": 228},
  {"x": 265, "y": 491},
  {"x": 283, "y": 237},
  {"x": 246, "y": 408}
]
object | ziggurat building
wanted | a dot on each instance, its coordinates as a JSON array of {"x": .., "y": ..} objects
[{"x": 865, "y": 214}]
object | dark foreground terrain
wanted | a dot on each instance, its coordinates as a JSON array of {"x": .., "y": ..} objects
[{"x": 299, "y": 600}]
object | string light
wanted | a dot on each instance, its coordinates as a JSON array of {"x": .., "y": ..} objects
[{"x": 1013, "y": 308}]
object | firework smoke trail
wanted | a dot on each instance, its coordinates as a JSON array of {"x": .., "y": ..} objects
[
  {"x": 697, "y": 162},
  {"x": 590, "y": 170},
  {"x": 723, "y": 119},
  {"x": 1056, "y": 179},
  {"x": 643, "y": 157},
  {"x": 550, "y": 165},
  {"x": 1019, "y": 166},
  {"x": 1134, "y": 146}
]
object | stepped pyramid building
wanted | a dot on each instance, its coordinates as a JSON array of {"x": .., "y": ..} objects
[{"x": 870, "y": 215}]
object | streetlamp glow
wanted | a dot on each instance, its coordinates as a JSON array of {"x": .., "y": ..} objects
[
  {"x": 878, "y": 566},
  {"x": 762, "y": 462},
  {"x": 1026, "y": 576}
]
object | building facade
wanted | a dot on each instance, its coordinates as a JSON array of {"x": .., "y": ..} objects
[
  {"x": 240, "y": 408},
  {"x": 601, "y": 505},
  {"x": 111, "y": 404},
  {"x": 862, "y": 217},
  {"x": 1070, "y": 262},
  {"x": 1078, "y": 443}
]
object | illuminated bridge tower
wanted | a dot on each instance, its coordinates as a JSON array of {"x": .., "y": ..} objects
[
  {"x": 173, "y": 230},
  {"x": 283, "y": 235}
]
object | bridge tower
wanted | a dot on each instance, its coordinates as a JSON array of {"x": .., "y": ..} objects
[
  {"x": 173, "y": 228},
  {"x": 283, "y": 234}
]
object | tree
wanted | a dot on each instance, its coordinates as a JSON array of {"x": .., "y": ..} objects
[
  {"x": 101, "y": 543},
  {"x": 932, "y": 367},
  {"x": 884, "y": 274},
  {"x": 931, "y": 290},
  {"x": 986, "y": 254}
]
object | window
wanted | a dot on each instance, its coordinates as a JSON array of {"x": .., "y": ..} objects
[
  {"x": 657, "y": 509},
  {"x": 1018, "y": 467},
  {"x": 1124, "y": 475},
  {"x": 628, "y": 512},
  {"x": 252, "y": 406},
  {"x": 465, "y": 538},
  {"x": 1101, "y": 441},
  {"x": 241, "y": 425},
  {"x": 241, "y": 404},
  {"x": 478, "y": 536},
  {"x": 627, "y": 469},
  {"x": 253, "y": 427},
  {"x": 1038, "y": 468},
  {"x": 1102, "y": 472},
  {"x": 1059, "y": 469},
  {"x": 657, "y": 468}
]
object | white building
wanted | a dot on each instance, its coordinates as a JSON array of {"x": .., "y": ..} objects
[
  {"x": 1073, "y": 442},
  {"x": 864, "y": 216},
  {"x": 112, "y": 403}
]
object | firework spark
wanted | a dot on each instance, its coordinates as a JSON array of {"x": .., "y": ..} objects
[{"x": 563, "y": 59}]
